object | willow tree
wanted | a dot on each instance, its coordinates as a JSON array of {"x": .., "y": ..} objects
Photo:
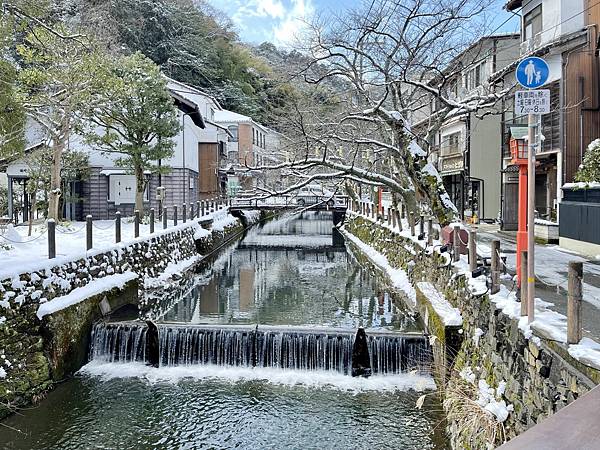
[
  {"x": 391, "y": 60},
  {"x": 136, "y": 119}
]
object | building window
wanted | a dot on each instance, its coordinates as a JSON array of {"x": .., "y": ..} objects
[
  {"x": 451, "y": 144},
  {"x": 473, "y": 77},
  {"x": 233, "y": 129},
  {"x": 532, "y": 23}
]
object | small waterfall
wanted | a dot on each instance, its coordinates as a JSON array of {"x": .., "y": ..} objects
[{"x": 284, "y": 348}]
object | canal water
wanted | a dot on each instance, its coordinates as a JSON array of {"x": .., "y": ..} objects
[{"x": 290, "y": 295}]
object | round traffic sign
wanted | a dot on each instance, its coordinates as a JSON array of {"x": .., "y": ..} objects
[{"x": 532, "y": 72}]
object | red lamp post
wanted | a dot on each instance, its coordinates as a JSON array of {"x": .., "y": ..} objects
[{"x": 518, "y": 151}]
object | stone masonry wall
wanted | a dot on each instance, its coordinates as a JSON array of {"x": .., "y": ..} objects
[
  {"x": 27, "y": 344},
  {"x": 533, "y": 377}
]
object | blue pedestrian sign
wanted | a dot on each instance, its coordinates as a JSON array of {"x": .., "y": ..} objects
[{"x": 532, "y": 72}]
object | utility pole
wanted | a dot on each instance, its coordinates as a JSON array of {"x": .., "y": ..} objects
[{"x": 531, "y": 125}]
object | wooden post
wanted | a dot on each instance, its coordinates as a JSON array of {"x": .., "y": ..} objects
[
  {"x": 51, "y": 239},
  {"x": 175, "y": 215},
  {"x": 88, "y": 232},
  {"x": 393, "y": 214},
  {"x": 412, "y": 223},
  {"x": 151, "y": 220},
  {"x": 495, "y": 267},
  {"x": 184, "y": 212},
  {"x": 192, "y": 211},
  {"x": 574, "y": 298},
  {"x": 472, "y": 250},
  {"x": 389, "y": 215},
  {"x": 422, "y": 225},
  {"x": 403, "y": 214},
  {"x": 136, "y": 223},
  {"x": 430, "y": 232},
  {"x": 198, "y": 208},
  {"x": 373, "y": 211},
  {"x": 456, "y": 243},
  {"x": 164, "y": 217},
  {"x": 118, "y": 227},
  {"x": 399, "y": 220},
  {"x": 202, "y": 207},
  {"x": 523, "y": 282}
]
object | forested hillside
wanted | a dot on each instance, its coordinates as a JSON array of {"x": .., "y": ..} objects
[{"x": 192, "y": 43}]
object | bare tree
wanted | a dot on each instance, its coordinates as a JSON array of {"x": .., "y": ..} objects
[{"x": 391, "y": 60}]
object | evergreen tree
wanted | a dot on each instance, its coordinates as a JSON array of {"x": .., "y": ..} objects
[
  {"x": 589, "y": 171},
  {"x": 138, "y": 119}
]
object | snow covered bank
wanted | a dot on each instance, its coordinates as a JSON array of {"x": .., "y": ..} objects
[
  {"x": 398, "y": 277},
  {"x": 20, "y": 253},
  {"x": 78, "y": 295}
]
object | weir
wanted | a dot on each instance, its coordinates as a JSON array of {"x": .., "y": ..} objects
[{"x": 284, "y": 347}]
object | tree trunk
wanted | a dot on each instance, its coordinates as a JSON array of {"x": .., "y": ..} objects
[
  {"x": 55, "y": 179},
  {"x": 140, "y": 186}
]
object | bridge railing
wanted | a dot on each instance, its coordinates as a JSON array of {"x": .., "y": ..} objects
[{"x": 289, "y": 201}]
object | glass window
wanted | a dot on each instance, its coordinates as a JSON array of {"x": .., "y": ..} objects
[
  {"x": 233, "y": 129},
  {"x": 532, "y": 23},
  {"x": 451, "y": 144},
  {"x": 473, "y": 77}
]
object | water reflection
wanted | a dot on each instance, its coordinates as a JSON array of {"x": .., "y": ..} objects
[{"x": 285, "y": 272}]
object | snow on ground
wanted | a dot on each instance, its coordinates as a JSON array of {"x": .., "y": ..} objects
[
  {"x": 554, "y": 270},
  {"x": 26, "y": 254},
  {"x": 450, "y": 315},
  {"x": 79, "y": 294}
]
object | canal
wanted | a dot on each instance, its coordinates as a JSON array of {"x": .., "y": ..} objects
[{"x": 254, "y": 353}]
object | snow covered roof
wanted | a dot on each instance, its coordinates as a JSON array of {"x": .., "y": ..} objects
[
  {"x": 227, "y": 116},
  {"x": 182, "y": 88}
]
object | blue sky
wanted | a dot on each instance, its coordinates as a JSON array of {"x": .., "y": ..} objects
[{"x": 278, "y": 21}]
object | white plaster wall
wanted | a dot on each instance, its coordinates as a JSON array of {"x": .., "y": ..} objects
[{"x": 557, "y": 17}]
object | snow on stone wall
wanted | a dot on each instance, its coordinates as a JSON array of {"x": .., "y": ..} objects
[
  {"x": 26, "y": 372},
  {"x": 531, "y": 377}
]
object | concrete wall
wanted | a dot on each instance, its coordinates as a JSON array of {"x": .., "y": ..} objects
[{"x": 486, "y": 161}]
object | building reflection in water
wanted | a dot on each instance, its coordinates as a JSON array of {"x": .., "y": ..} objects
[{"x": 281, "y": 273}]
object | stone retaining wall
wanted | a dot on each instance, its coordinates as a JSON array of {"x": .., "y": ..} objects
[
  {"x": 35, "y": 353},
  {"x": 534, "y": 377}
]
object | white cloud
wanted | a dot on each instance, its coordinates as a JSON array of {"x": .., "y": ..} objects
[
  {"x": 294, "y": 22},
  {"x": 278, "y": 21}
]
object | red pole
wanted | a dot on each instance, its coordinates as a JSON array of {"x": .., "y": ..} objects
[{"x": 522, "y": 229}]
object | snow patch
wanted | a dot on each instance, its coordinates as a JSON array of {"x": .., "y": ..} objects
[
  {"x": 450, "y": 315},
  {"x": 398, "y": 277},
  {"x": 587, "y": 351},
  {"x": 78, "y": 295},
  {"x": 170, "y": 270}
]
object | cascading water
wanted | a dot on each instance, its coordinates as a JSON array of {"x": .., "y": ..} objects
[{"x": 284, "y": 348}]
